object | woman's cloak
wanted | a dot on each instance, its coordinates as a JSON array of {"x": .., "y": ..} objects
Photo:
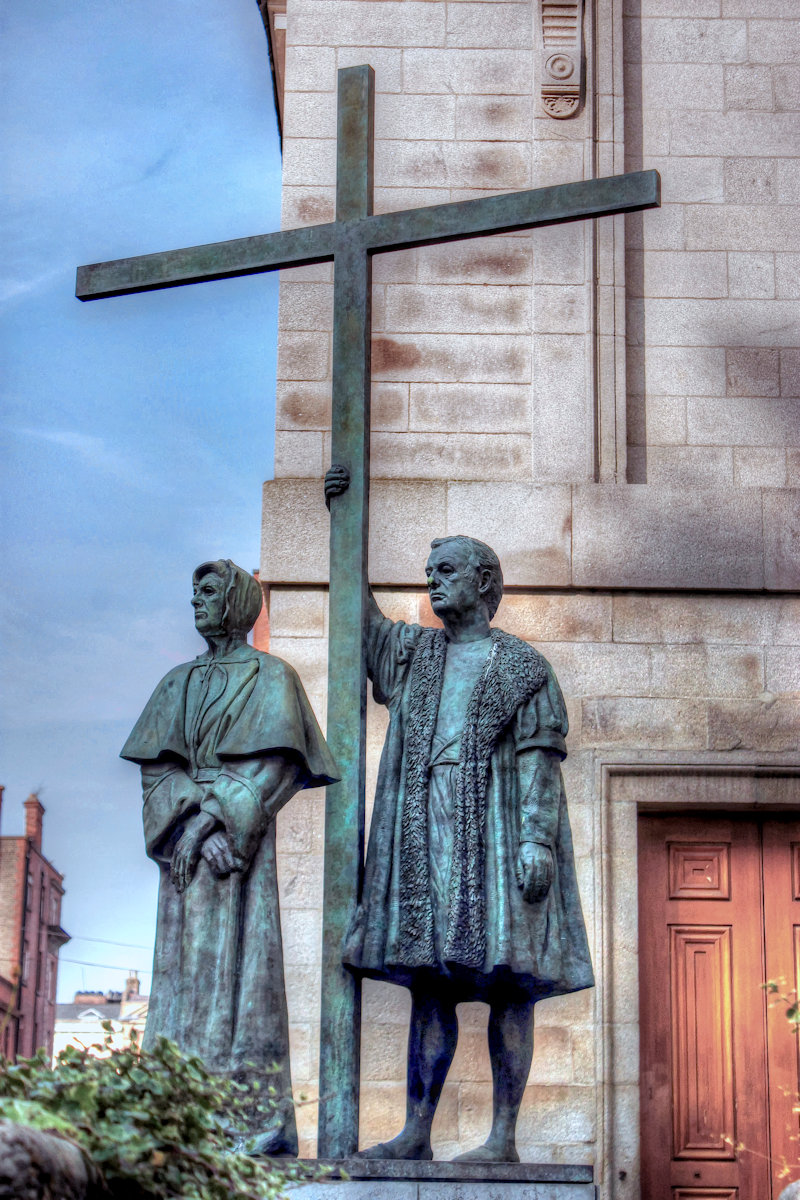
[{"x": 208, "y": 740}]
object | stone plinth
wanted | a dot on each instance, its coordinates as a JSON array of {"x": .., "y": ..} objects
[{"x": 387, "y": 1180}]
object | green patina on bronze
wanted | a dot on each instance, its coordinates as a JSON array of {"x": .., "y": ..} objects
[
  {"x": 350, "y": 241},
  {"x": 340, "y": 1038},
  {"x": 377, "y": 234},
  {"x": 223, "y": 743},
  {"x": 470, "y": 890}
]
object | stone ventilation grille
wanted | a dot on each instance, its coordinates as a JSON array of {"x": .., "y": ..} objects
[{"x": 559, "y": 24}]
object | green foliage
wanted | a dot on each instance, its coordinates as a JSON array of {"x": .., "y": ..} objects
[
  {"x": 779, "y": 993},
  {"x": 156, "y": 1124}
]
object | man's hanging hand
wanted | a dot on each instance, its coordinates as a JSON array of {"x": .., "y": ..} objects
[{"x": 534, "y": 871}]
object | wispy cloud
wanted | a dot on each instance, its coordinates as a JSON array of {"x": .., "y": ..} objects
[
  {"x": 96, "y": 453},
  {"x": 15, "y": 289}
]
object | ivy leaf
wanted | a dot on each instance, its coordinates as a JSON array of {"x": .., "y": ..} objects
[{"x": 157, "y": 1124}]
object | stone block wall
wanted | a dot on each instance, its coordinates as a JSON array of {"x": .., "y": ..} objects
[
  {"x": 456, "y": 373},
  {"x": 712, "y": 95},
  {"x": 499, "y": 359}
]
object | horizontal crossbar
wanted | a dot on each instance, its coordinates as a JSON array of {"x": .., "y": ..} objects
[
  {"x": 514, "y": 211},
  {"x": 375, "y": 234},
  {"x": 197, "y": 264}
]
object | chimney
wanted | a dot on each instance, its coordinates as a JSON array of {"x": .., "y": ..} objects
[
  {"x": 89, "y": 998},
  {"x": 34, "y": 811},
  {"x": 131, "y": 990},
  {"x": 2, "y": 789}
]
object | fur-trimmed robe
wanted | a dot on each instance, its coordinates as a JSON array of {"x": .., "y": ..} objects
[{"x": 493, "y": 938}]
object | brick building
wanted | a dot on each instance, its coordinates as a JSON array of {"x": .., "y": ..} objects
[
  {"x": 30, "y": 937},
  {"x": 615, "y": 407}
]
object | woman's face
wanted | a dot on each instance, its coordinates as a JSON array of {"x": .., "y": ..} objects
[{"x": 208, "y": 601}]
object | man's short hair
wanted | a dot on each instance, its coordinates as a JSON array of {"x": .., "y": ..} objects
[{"x": 483, "y": 558}]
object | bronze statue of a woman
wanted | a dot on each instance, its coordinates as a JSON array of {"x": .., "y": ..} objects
[{"x": 223, "y": 743}]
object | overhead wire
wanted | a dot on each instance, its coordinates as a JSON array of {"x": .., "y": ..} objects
[
  {"x": 78, "y": 962},
  {"x": 80, "y": 937}
]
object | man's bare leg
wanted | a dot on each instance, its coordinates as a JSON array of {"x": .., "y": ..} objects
[
  {"x": 511, "y": 1052},
  {"x": 432, "y": 1039}
]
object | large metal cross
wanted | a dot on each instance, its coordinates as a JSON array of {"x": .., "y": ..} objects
[{"x": 350, "y": 241}]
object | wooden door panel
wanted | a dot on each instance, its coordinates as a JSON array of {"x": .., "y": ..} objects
[
  {"x": 795, "y": 853},
  {"x": 705, "y": 1194},
  {"x": 701, "y": 966},
  {"x": 781, "y": 850},
  {"x": 699, "y": 871},
  {"x": 702, "y": 1059}
]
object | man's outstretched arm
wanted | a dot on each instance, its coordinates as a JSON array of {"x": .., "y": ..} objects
[{"x": 337, "y": 481}]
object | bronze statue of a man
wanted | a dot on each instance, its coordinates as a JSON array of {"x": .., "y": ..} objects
[
  {"x": 469, "y": 890},
  {"x": 223, "y": 743}
]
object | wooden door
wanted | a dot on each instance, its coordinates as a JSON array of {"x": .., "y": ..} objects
[
  {"x": 781, "y": 859},
  {"x": 719, "y": 913}
]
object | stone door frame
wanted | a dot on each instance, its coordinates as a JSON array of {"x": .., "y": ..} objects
[{"x": 627, "y": 786}]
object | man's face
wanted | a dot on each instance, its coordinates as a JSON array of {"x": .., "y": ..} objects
[
  {"x": 453, "y": 583},
  {"x": 208, "y": 600}
]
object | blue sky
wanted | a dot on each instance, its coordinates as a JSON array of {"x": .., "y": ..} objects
[{"x": 136, "y": 431}]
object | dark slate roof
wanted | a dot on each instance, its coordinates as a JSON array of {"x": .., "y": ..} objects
[{"x": 73, "y": 1012}]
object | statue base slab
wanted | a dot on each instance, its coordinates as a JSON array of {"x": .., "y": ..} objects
[{"x": 393, "y": 1179}]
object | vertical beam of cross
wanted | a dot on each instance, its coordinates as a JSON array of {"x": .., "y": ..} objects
[{"x": 340, "y": 1018}]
